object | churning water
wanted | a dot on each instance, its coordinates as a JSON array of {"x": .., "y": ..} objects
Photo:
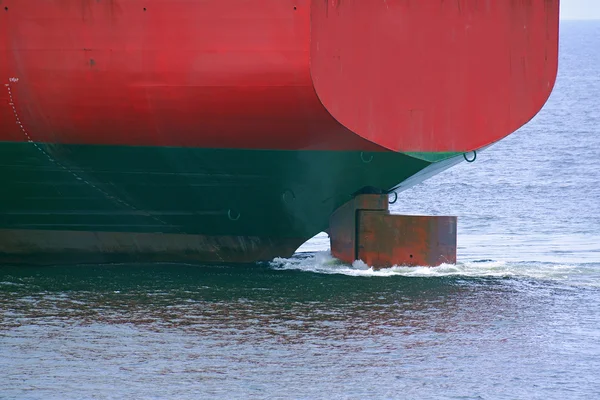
[{"x": 517, "y": 317}]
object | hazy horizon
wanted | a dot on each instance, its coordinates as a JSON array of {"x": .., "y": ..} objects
[{"x": 580, "y": 9}]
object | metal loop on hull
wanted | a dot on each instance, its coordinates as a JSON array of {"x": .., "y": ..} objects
[
  {"x": 366, "y": 159},
  {"x": 233, "y": 215},
  {"x": 472, "y": 159},
  {"x": 288, "y": 196}
]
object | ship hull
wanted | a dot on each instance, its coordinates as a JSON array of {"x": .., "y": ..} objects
[
  {"x": 231, "y": 130},
  {"x": 134, "y": 203}
]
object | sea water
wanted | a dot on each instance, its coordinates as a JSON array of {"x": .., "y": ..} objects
[{"x": 518, "y": 317}]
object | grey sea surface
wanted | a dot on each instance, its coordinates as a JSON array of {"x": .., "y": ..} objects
[{"x": 517, "y": 318}]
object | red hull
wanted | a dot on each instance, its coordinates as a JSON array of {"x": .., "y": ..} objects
[{"x": 429, "y": 76}]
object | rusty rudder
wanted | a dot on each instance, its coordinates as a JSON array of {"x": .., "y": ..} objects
[{"x": 363, "y": 229}]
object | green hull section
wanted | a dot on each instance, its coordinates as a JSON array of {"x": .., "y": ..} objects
[{"x": 284, "y": 197}]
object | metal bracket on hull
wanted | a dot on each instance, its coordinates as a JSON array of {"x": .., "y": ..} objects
[{"x": 363, "y": 229}]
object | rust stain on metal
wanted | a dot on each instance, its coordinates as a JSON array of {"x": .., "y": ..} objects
[
  {"x": 20, "y": 246},
  {"x": 385, "y": 239},
  {"x": 363, "y": 229}
]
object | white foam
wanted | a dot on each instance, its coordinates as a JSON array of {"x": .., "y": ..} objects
[{"x": 322, "y": 262}]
